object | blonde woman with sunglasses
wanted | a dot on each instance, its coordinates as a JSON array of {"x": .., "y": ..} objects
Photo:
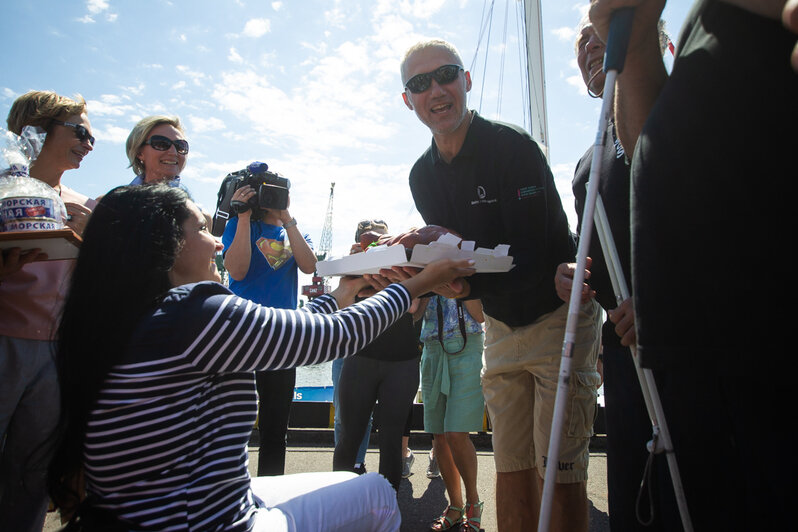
[
  {"x": 31, "y": 293},
  {"x": 157, "y": 150}
]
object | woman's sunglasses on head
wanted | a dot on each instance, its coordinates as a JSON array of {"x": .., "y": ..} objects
[
  {"x": 81, "y": 133},
  {"x": 442, "y": 75},
  {"x": 161, "y": 143}
]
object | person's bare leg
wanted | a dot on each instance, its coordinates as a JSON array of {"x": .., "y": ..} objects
[
  {"x": 517, "y": 500},
  {"x": 465, "y": 459},
  {"x": 569, "y": 507},
  {"x": 449, "y": 473}
]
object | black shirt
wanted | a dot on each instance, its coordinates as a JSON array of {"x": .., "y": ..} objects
[
  {"x": 614, "y": 194},
  {"x": 499, "y": 190},
  {"x": 713, "y": 177},
  {"x": 399, "y": 342}
]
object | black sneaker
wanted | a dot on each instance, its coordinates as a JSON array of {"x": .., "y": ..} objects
[{"x": 361, "y": 469}]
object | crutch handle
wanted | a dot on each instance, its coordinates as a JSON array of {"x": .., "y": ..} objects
[{"x": 618, "y": 39}]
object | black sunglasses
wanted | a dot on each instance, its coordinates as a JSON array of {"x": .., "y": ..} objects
[
  {"x": 81, "y": 133},
  {"x": 443, "y": 75},
  {"x": 161, "y": 143}
]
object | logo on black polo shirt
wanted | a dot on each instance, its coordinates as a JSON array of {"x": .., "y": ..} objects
[
  {"x": 529, "y": 192},
  {"x": 482, "y": 196}
]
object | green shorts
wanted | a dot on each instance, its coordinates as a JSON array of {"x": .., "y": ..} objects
[{"x": 450, "y": 386}]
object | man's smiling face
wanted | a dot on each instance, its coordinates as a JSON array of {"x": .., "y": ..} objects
[{"x": 442, "y": 108}]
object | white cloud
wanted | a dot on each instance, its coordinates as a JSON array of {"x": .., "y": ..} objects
[
  {"x": 109, "y": 105},
  {"x": 564, "y": 33},
  {"x": 234, "y": 56},
  {"x": 563, "y": 176},
  {"x": 308, "y": 116},
  {"x": 575, "y": 81},
  {"x": 201, "y": 124},
  {"x": 179, "y": 85},
  {"x": 420, "y": 9},
  {"x": 257, "y": 27},
  {"x": 114, "y": 134},
  {"x": 197, "y": 77},
  {"x": 277, "y": 6},
  {"x": 96, "y": 6},
  {"x": 137, "y": 90},
  {"x": 336, "y": 17}
]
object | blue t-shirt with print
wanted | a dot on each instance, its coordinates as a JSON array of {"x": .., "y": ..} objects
[{"x": 272, "y": 278}]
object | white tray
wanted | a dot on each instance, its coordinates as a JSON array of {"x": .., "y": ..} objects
[{"x": 486, "y": 260}]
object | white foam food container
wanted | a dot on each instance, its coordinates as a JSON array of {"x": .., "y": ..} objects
[{"x": 494, "y": 260}]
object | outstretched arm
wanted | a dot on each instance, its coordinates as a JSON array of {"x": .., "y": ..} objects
[{"x": 230, "y": 334}]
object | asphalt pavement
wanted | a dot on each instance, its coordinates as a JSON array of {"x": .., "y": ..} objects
[{"x": 421, "y": 499}]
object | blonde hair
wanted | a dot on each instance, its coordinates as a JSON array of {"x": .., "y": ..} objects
[
  {"x": 431, "y": 43},
  {"x": 140, "y": 133},
  {"x": 40, "y": 108}
]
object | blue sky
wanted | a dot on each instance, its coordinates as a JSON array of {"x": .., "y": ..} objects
[{"x": 311, "y": 87}]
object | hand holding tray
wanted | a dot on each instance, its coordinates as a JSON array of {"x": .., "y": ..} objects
[{"x": 59, "y": 244}]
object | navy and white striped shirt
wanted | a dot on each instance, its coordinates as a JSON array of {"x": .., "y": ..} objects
[{"x": 166, "y": 443}]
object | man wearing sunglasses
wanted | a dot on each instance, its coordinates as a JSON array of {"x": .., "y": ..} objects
[{"x": 490, "y": 182}]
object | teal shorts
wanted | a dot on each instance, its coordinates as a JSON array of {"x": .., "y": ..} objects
[{"x": 451, "y": 388}]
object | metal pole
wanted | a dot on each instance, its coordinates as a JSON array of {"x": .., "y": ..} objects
[
  {"x": 615, "y": 53},
  {"x": 661, "y": 440}
]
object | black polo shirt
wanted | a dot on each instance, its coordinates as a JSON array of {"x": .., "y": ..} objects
[
  {"x": 499, "y": 190},
  {"x": 614, "y": 193},
  {"x": 712, "y": 203}
]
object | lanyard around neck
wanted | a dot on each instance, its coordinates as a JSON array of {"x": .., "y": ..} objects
[{"x": 460, "y": 318}]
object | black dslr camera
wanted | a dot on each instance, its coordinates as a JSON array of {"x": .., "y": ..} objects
[{"x": 271, "y": 192}]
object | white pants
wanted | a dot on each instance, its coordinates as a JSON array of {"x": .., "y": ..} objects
[{"x": 334, "y": 501}]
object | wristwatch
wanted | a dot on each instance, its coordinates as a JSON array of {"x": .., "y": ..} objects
[{"x": 290, "y": 223}]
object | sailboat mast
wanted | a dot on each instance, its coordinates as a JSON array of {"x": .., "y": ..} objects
[{"x": 536, "y": 76}]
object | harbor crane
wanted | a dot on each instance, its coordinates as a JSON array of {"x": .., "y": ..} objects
[{"x": 318, "y": 286}]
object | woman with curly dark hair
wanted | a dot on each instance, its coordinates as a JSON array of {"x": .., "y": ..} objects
[{"x": 157, "y": 360}]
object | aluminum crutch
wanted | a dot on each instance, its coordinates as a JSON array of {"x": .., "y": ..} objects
[
  {"x": 661, "y": 438},
  {"x": 617, "y": 41}
]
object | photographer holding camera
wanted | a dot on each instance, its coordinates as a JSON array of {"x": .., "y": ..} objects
[{"x": 263, "y": 249}]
